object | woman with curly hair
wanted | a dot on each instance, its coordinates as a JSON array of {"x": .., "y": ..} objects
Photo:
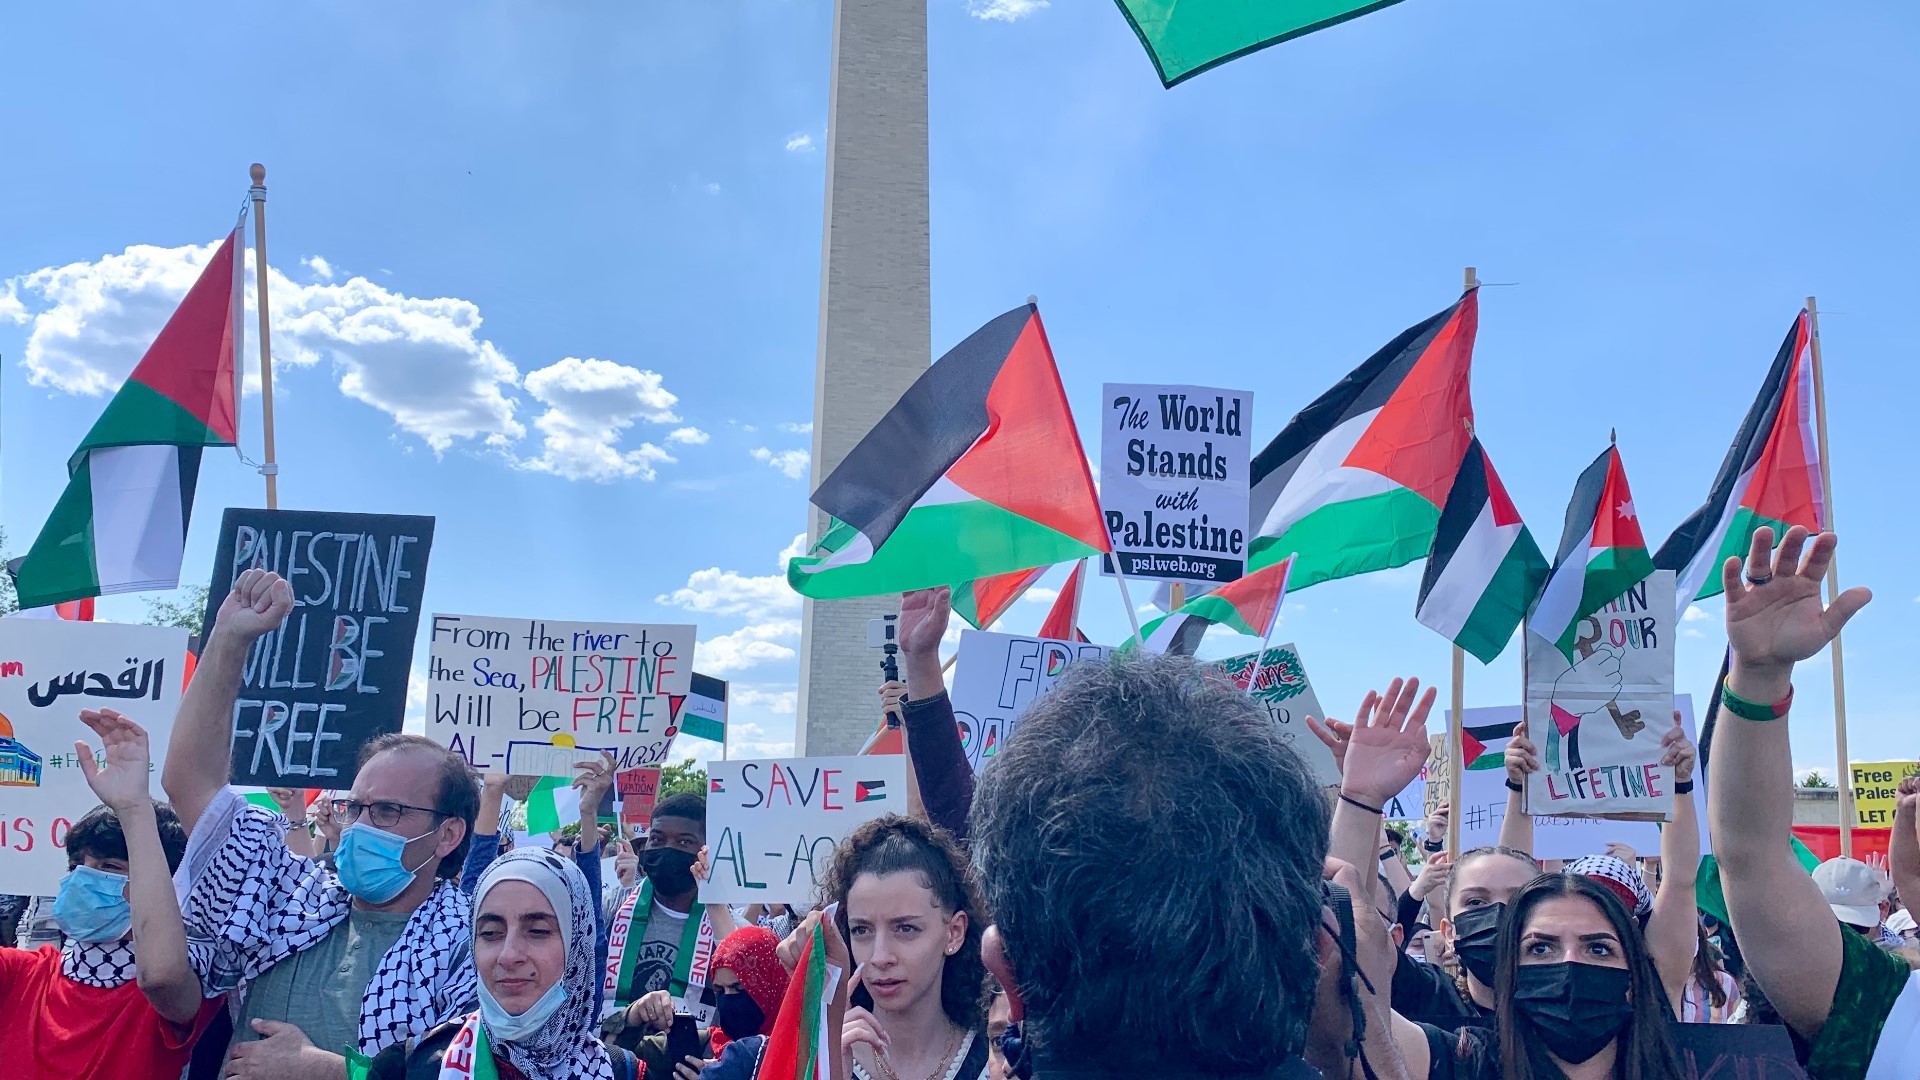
[{"x": 913, "y": 918}]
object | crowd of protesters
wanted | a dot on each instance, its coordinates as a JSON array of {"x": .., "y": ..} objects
[{"x": 1145, "y": 881}]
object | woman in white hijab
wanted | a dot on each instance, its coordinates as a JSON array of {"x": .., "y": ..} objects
[{"x": 533, "y": 949}]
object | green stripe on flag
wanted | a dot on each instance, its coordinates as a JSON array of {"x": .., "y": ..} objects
[
  {"x": 139, "y": 414},
  {"x": 700, "y": 726},
  {"x": 938, "y": 545},
  {"x": 1357, "y": 536},
  {"x": 60, "y": 565},
  {"x": 1610, "y": 573},
  {"x": 543, "y": 815},
  {"x": 1496, "y": 615}
]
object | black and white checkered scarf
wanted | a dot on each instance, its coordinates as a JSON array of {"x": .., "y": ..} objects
[
  {"x": 105, "y": 964},
  {"x": 259, "y": 903}
]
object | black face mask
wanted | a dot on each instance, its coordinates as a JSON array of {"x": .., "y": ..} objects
[
  {"x": 1577, "y": 1008},
  {"x": 1475, "y": 934},
  {"x": 670, "y": 869},
  {"x": 738, "y": 1015}
]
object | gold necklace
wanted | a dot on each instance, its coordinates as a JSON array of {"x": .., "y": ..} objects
[{"x": 946, "y": 1060}]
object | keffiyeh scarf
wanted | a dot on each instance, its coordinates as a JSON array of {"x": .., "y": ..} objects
[
  {"x": 105, "y": 965},
  {"x": 1623, "y": 881},
  {"x": 256, "y": 903}
]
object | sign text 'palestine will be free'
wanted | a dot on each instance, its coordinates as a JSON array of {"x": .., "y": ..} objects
[
  {"x": 531, "y": 697},
  {"x": 1174, "y": 469}
]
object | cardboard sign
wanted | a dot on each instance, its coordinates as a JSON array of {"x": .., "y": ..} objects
[
  {"x": 532, "y": 697},
  {"x": 1483, "y": 795},
  {"x": 995, "y": 678},
  {"x": 49, "y": 671},
  {"x": 334, "y": 676},
  {"x": 1289, "y": 699},
  {"x": 1876, "y": 791},
  {"x": 1736, "y": 1052},
  {"x": 1174, "y": 475},
  {"x": 773, "y": 825},
  {"x": 1598, "y": 720},
  {"x": 639, "y": 789}
]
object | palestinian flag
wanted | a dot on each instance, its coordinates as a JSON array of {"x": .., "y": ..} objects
[
  {"x": 121, "y": 524},
  {"x": 1771, "y": 476},
  {"x": 869, "y": 791},
  {"x": 1484, "y": 570},
  {"x": 1602, "y": 553},
  {"x": 704, "y": 716},
  {"x": 977, "y": 470},
  {"x": 1063, "y": 620},
  {"x": 1485, "y": 746},
  {"x": 984, "y": 600},
  {"x": 1356, "y": 481},
  {"x": 800, "y": 1046},
  {"x": 552, "y": 804},
  {"x": 1187, "y": 37},
  {"x": 1249, "y": 606}
]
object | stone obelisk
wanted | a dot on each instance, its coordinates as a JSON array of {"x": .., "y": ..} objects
[{"x": 875, "y": 315}]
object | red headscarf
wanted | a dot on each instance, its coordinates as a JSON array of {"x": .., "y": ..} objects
[{"x": 751, "y": 953}]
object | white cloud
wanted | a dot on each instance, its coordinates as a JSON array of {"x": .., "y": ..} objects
[
  {"x": 688, "y": 436},
  {"x": 747, "y": 647},
  {"x": 792, "y": 463},
  {"x": 321, "y": 268},
  {"x": 1040, "y": 594},
  {"x": 1004, "y": 10},
  {"x": 589, "y": 404},
  {"x": 779, "y": 702},
  {"x": 799, "y": 143},
  {"x": 1690, "y": 632},
  {"x": 794, "y": 549},
  {"x": 712, "y": 189},
  {"x": 11, "y": 309},
  {"x": 798, "y": 429},
  {"x": 1694, "y": 614},
  {"x": 727, "y": 592}
]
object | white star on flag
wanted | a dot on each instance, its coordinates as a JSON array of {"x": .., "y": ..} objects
[{"x": 1626, "y": 509}]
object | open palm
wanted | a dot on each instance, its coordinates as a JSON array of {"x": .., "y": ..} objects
[
  {"x": 1774, "y": 614},
  {"x": 122, "y": 780},
  {"x": 1388, "y": 746}
]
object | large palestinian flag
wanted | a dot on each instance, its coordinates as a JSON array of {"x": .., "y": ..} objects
[
  {"x": 1249, "y": 605},
  {"x": 1485, "y": 570},
  {"x": 121, "y": 524},
  {"x": 1771, "y": 476},
  {"x": 984, "y": 600},
  {"x": 801, "y": 1044},
  {"x": 1187, "y": 37},
  {"x": 1356, "y": 481},
  {"x": 1602, "y": 553},
  {"x": 977, "y": 470}
]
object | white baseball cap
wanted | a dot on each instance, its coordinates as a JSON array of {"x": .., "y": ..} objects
[
  {"x": 1853, "y": 890},
  {"x": 1901, "y": 921}
]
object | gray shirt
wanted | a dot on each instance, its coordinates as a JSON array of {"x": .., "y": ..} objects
[{"x": 319, "y": 989}]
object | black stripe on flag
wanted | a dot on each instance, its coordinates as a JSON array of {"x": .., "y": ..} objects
[
  {"x": 1465, "y": 503},
  {"x": 939, "y": 417},
  {"x": 707, "y": 686},
  {"x": 1697, "y": 531},
  {"x": 1583, "y": 507}
]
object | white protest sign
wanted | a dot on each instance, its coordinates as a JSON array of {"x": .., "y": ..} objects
[
  {"x": 1598, "y": 720},
  {"x": 532, "y": 697},
  {"x": 1483, "y": 795},
  {"x": 49, "y": 671},
  {"x": 1174, "y": 476},
  {"x": 773, "y": 825},
  {"x": 1289, "y": 699},
  {"x": 1409, "y": 805},
  {"x": 995, "y": 678}
]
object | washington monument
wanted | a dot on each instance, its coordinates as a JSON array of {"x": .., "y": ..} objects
[{"x": 875, "y": 316}]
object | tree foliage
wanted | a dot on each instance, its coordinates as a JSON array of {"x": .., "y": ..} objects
[
  {"x": 685, "y": 776},
  {"x": 1815, "y": 780},
  {"x": 188, "y": 611}
]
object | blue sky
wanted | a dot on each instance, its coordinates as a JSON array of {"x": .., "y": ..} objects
[{"x": 550, "y": 273}]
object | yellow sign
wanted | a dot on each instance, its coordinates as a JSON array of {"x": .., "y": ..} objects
[{"x": 1876, "y": 787}]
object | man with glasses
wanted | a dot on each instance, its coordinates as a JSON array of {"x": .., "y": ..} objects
[{"x": 355, "y": 957}]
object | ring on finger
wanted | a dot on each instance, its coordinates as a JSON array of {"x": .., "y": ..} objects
[{"x": 1761, "y": 580}]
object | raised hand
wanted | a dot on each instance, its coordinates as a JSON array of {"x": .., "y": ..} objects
[
  {"x": 594, "y": 779},
  {"x": 1388, "y": 746},
  {"x": 122, "y": 781},
  {"x": 1677, "y": 752},
  {"x": 924, "y": 614},
  {"x": 1433, "y": 876},
  {"x": 1774, "y": 615},
  {"x": 1521, "y": 756},
  {"x": 1908, "y": 794},
  {"x": 1336, "y": 735},
  {"x": 258, "y": 604}
]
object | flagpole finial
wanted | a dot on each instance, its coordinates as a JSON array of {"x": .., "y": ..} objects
[
  {"x": 1613, "y": 436},
  {"x": 1032, "y": 300},
  {"x": 259, "y": 174},
  {"x": 1472, "y": 277}
]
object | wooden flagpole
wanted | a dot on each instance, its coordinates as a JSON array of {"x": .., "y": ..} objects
[
  {"x": 1456, "y": 724},
  {"x": 1843, "y": 766},
  {"x": 268, "y": 467}
]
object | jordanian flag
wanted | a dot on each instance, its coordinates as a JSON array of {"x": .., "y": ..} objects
[
  {"x": 1356, "y": 481},
  {"x": 704, "y": 716},
  {"x": 1602, "y": 553},
  {"x": 1249, "y": 605},
  {"x": 977, "y": 470},
  {"x": 801, "y": 1044},
  {"x": 984, "y": 600},
  {"x": 1187, "y": 37},
  {"x": 1485, "y": 746},
  {"x": 1485, "y": 570},
  {"x": 1771, "y": 476},
  {"x": 121, "y": 524}
]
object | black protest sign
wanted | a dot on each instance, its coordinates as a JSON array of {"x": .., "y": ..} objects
[
  {"x": 1736, "y": 1052},
  {"x": 334, "y": 676}
]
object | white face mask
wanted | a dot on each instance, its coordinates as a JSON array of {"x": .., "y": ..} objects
[{"x": 503, "y": 1026}]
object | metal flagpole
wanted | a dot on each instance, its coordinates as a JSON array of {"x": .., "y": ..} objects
[
  {"x": 1843, "y": 767},
  {"x": 269, "y": 468}
]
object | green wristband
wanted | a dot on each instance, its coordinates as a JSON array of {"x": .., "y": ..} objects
[{"x": 1753, "y": 710}]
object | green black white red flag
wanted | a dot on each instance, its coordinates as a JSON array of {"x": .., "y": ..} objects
[
  {"x": 983, "y": 600},
  {"x": 1485, "y": 569},
  {"x": 1249, "y": 605},
  {"x": 1771, "y": 476},
  {"x": 800, "y": 1047},
  {"x": 1187, "y": 37},
  {"x": 1602, "y": 553},
  {"x": 1355, "y": 482},
  {"x": 121, "y": 524},
  {"x": 977, "y": 470}
]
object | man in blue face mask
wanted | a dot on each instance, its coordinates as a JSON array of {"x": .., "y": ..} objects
[
  {"x": 87, "y": 1009},
  {"x": 372, "y": 951}
]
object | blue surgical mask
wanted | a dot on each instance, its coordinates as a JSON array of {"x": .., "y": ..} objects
[
  {"x": 503, "y": 1026},
  {"x": 92, "y": 905},
  {"x": 369, "y": 862}
]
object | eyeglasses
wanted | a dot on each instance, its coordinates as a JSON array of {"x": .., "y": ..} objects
[{"x": 380, "y": 813}]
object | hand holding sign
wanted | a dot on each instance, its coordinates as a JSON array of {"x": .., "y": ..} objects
[
  {"x": 1521, "y": 756},
  {"x": 1677, "y": 752},
  {"x": 122, "y": 781},
  {"x": 1389, "y": 746}
]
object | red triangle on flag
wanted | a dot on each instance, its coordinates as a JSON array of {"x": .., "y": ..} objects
[
  {"x": 1419, "y": 436},
  {"x": 1065, "y": 615}
]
